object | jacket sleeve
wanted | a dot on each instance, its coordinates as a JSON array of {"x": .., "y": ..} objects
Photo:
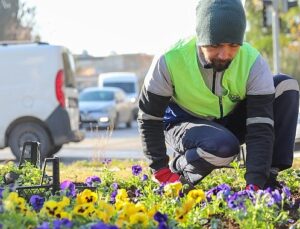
[
  {"x": 260, "y": 123},
  {"x": 154, "y": 99},
  {"x": 259, "y": 138}
]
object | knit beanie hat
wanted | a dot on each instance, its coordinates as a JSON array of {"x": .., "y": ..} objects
[{"x": 220, "y": 21}]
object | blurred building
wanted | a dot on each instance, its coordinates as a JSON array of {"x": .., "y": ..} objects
[{"x": 89, "y": 67}]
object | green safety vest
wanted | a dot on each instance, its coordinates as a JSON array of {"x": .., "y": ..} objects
[{"x": 190, "y": 90}]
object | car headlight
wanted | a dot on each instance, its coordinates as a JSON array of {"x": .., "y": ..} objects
[{"x": 104, "y": 119}]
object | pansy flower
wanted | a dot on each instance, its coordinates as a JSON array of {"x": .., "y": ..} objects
[
  {"x": 139, "y": 218},
  {"x": 136, "y": 170},
  {"x": 36, "y": 202},
  {"x": 44, "y": 225},
  {"x": 92, "y": 181},
  {"x": 197, "y": 195},
  {"x": 62, "y": 223},
  {"x": 145, "y": 177},
  {"x": 85, "y": 210},
  {"x": 101, "y": 225},
  {"x": 87, "y": 196},
  {"x": 160, "y": 217},
  {"x": 69, "y": 186}
]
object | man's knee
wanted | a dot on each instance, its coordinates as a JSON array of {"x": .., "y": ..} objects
[{"x": 218, "y": 154}]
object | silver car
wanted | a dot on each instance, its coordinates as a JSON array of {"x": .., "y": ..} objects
[{"x": 104, "y": 107}]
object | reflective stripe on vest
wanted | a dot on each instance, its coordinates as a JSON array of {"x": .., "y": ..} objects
[{"x": 190, "y": 90}]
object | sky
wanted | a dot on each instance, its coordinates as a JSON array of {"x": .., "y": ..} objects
[{"x": 103, "y": 27}]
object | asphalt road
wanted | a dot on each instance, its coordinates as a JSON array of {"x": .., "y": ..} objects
[
  {"x": 122, "y": 143},
  {"x": 100, "y": 144}
]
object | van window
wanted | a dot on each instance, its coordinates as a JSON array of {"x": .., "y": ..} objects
[
  {"x": 96, "y": 96},
  {"x": 69, "y": 70},
  {"x": 128, "y": 87}
]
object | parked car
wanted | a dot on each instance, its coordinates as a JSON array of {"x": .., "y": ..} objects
[
  {"x": 127, "y": 81},
  {"x": 104, "y": 107},
  {"x": 38, "y": 97}
]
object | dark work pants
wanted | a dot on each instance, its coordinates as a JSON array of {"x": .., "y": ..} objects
[{"x": 201, "y": 146}]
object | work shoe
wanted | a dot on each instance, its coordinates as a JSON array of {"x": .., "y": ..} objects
[{"x": 272, "y": 182}]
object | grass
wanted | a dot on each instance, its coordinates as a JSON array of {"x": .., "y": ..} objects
[{"x": 80, "y": 170}]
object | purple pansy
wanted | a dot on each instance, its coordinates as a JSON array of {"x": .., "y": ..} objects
[
  {"x": 113, "y": 196},
  {"x": 286, "y": 191},
  {"x": 92, "y": 180},
  {"x": 106, "y": 161},
  {"x": 137, "y": 193},
  {"x": 115, "y": 186},
  {"x": 276, "y": 196},
  {"x": 162, "y": 226},
  {"x": 101, "y": 225},
  {"x": 160, "y": 217},
  {"x": 62, "y": 223},
  {"x": 69, "y": 186},
  {"x": 36, "y": 202},
  {"x": 236, "y": 201},
  {"x": 44, "y": 225},
  {"x": 145, "y": 177},
  {"x": 1, "y": 192},
  {"x": 136, "y": 170},
  {"x": 223, "y": 188}
]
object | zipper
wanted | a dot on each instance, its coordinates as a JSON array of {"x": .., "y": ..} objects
[
  {"x": 214, "y": 81},
  {"x": 221, "y": 106},
  {"x": 214, "y": 90}
]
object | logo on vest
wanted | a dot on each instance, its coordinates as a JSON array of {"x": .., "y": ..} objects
[{"x": 234, "y": 98}]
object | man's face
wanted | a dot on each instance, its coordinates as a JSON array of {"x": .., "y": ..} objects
[{"x": 219, "y": 56}]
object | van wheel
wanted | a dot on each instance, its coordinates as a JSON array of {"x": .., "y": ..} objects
[
  {"x": 54, "y": 150},
  {"x": 28, "y": 132}
]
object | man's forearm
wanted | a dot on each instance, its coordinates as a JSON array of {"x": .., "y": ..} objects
[
  {"x": 153, "y": 142},
  {"x": 150, "y": 122},
  {"x": 259, "y": 138}
]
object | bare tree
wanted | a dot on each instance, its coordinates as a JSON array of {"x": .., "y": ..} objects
[{"x": 16, "y": 20}]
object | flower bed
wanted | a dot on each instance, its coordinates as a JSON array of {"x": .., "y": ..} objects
[{"x": 105, "y": 200}]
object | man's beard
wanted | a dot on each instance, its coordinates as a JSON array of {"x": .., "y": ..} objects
[{"x": 220, "y": 65}]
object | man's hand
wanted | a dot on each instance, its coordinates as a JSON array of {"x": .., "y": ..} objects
[
  {"x": 165, "y": 175},
  {"x": 252, "y": 187}
]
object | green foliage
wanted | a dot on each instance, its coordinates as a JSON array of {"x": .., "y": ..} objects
[
  {"x": 28, "y": 174},
  {"x": 254, "y": 210},
  {"x": 289, "y": 37}
]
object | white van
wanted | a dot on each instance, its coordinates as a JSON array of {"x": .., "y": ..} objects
[
  {"x": 38, "y": 97},
  {"x": 128, "y": 81}
]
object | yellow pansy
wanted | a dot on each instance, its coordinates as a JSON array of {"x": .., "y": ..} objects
[
  {"x": 122, "y": 195},
  {"x": 103, "y": 215},
  {"x": 180, "y": 213},
  {"x": 172, "y": 189},
  {"x": 139, "y": 218},
  {"x": 64, "y": 202},
  {"x": 107, "y": 208},
  {"x": 86, "y": 210},
  {"x": 119, "y": 205},
  {"x": 197, "y": 195},
  {"x": 13, "y": 201},
  {"x": 140, "y": 207},
  {"x": 52, "y": 208},
  {"x": 127, "y": 210},
  {"x": 87, "y": 196}
]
